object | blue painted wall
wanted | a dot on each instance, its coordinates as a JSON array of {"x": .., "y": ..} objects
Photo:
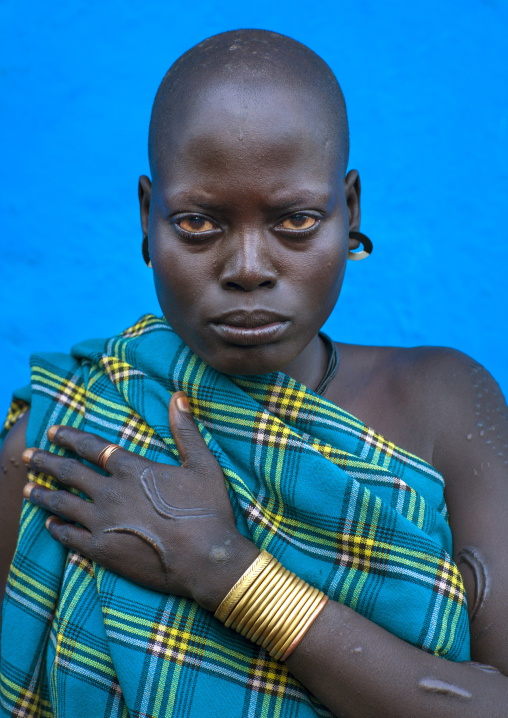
[{"x": 426, "y": 87}]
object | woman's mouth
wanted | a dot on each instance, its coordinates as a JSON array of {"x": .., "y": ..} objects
[
  {"x": 250, "y": 328},
  {"x": 247, "y": 336}
]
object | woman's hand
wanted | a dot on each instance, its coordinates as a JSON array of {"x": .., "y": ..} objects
[{"x": 166, "y": 527}]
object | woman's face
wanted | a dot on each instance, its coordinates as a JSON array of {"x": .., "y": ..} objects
[{"x": 248, "y": 229}]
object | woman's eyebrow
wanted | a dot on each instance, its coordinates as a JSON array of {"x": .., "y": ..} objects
[
  {"x": 285, "y": 200},
  {"x": 301, "y": 199}
]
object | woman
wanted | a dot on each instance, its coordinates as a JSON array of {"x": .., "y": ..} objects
[{"x": 248, "y": 222}]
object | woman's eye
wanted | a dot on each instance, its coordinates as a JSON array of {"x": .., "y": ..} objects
[
  {"x": 299, "y": 221},
  {"x": 195, "y": 225}
]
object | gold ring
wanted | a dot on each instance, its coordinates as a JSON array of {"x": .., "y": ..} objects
[{"x": 104, "y": 455}]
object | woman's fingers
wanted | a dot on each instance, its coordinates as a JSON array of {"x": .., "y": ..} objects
[
  {"x": 68, "y": 472},
  {"x": 72, "y": 537},
  {"x": 59, "y": 503},
  {"x": 192, "y": 448},
  {"x": 91, "y": 447}
]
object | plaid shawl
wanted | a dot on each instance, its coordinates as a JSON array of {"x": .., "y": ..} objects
[{"x": 346, "y": 510}]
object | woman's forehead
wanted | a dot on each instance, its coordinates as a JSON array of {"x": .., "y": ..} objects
[
  {"x": 269, "y": 82},
  {"x": 234, "y": 128}
]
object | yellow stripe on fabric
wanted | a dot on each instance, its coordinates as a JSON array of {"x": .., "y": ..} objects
[
  {"x": 330, "y": 411},
  {"x": 83, "y": 655},
  {"x": 107, "y": 408},
  {"x": 29, "y": 586},
  {"x": 411, "y": 506},
  {"x": 445, "y": 635},
  {"x": 79, "y": 582},
  {"x": 421, "y": 514},
  {"x": 142, "y": 325},
  {"x": 362, "y": 579},
  {"x": 179, "y": 665},
  {"x": 267, "y": 708},
  {"x": 191, "y": 368},
  {"x": 27, "y": 514},
  {"x": 376, "y": 514},
  {"x": 74, "y": 393},
  {"x": 364, "y": 511},
  {"x": 16, "y": 410},
  {"x": 347, "y": 584},
  {"x": 26, "y": 699},
  {"x": 118, "y": 618}
]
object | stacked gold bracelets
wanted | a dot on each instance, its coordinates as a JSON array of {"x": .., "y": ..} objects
[{"x": 271, "y": 607}]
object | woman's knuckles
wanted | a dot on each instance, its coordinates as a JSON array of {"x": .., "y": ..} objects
[
  {"x": 39, "y": 459},
  {"x": 66, "y": 470},
  {"x": 64, "y": 533},
  {"x": 57, "y": 502},
  {"x": 87, "y": 445}
]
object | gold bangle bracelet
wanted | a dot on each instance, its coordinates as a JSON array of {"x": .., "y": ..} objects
[
  {"x": 258, "y": 604},
  {"x": 243, "y": 583},
  {"x": 305, "y": 628},
  {"x": 304, "y": 590},
  {"x": 270, "y": 613},
  {"x": 266, "y": 607},
  {"x": 258, "y": 628},
  {"x": 281, "y": 647},
  {"x": 272, "y": 575},
  {"x": 277, "y": 626},
  {"x": 292, "y": 623},
  {"x": 248, "y": 593},
  {"x": 271, "y": 606}
]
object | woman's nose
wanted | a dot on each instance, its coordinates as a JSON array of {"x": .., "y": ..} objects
[{"x": 248, "y": 265}]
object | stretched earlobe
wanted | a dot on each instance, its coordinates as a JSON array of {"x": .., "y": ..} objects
[
  {"x": 366, "y": 244},
  {"x": 145, "y": 252},
  {"x": 352, "y": 190}
]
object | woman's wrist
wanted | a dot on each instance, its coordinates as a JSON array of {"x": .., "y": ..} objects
[
  {"x": 226, "y": 563},
  {"x": 271, "y": 606}
]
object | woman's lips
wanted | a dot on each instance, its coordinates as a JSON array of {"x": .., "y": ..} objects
[{"x": 250, "y": 336}]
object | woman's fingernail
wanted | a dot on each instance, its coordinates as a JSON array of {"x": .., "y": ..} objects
[
  {"x": 27, "y": 455},
  {"x": 183, "y": 404},
  {"x": 27, "y": 490},
  {"x": 52, "y": 431},
  {"x": 48, "y": 522}
]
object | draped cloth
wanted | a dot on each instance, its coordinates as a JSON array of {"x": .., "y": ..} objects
[{"x": 334, "y": 502}]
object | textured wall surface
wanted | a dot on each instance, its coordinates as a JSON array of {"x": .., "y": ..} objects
[{"x": 426, "y": 87}]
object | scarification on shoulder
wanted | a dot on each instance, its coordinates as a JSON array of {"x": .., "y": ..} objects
[{"x": 491, "y": 412}]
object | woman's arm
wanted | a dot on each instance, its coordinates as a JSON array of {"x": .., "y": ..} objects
[
  {"x": 359, "y": 670},
  {"x": 12, "y": 481},
  {"x": 353, "y": 666}
]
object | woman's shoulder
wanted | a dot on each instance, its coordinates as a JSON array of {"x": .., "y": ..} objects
[
  {"x": 426, "y": 399},
  {"x": 13, "y": 470},
  {"x": 13, "y": 478},
  {"x": 442, "y": 375}
]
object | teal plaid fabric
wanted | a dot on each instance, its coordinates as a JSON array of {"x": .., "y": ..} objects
[{"x": 337, "y": 504}]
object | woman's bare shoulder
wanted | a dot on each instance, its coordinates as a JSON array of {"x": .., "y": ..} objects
[
  {"x": 12, "y": 467},
  {"x": 12, "y": 479},
  {"x": 416, "y": 397},
  {"x": 446, "y": 407},
  {"x": 439, "y": 378}
]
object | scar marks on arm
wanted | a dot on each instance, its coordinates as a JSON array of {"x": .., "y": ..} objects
[
  {"x": 151, "y": 490},
  {"x": 434, "y": 685},
  {"x": 483, "y": 667},
  {"x": 491, "y": 412},
  {"x": 146, "y": 539},
  {"x": 166, "y": 510},
  {"x": 470, "y": 557}
]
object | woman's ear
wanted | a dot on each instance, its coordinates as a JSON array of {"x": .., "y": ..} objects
[
  {"x": 352, "y": 189},
  {"x": 145, "y": 196}
]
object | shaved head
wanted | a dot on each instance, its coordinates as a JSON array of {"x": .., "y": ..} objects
[{"x": 254, "y": 65}]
